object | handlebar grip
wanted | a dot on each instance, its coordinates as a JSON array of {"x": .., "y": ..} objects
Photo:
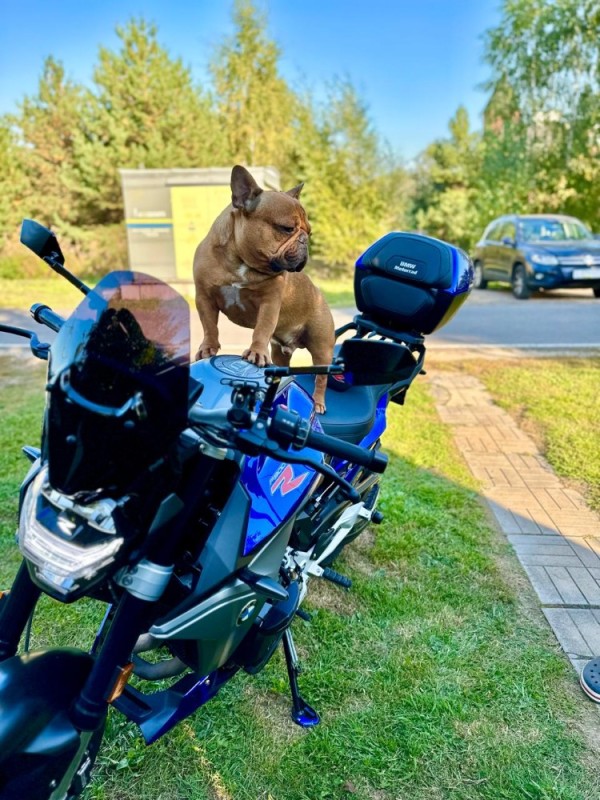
[
  {"x": 371, "y": 459},
  {"x": 45, "y": 316}
]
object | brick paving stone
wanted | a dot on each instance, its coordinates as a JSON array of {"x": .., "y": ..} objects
[
  {"x": 546, "y": 590},
  {"x": 566, "y": 586},
  {"x": 544, "y": 549},
  {"x": 556, "y": 537},
  {"x": 588, "y": 626},
  {"x": 530, "y": 540},
  {"x": 567, "y": 632},
  {"x": 550, "y": 561},
  {"x": 586, "y": 584},
  {"x": 579, "y": 664}
]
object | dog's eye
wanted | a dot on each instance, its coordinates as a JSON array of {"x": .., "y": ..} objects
[{"x": 285, "y": 229}]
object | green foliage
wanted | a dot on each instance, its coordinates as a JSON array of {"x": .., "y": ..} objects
[
  {"x": 539, "y": 151},
  {"x": 145, "y": 112},
  {"x": 445, "y": 196},
  {"x": 255, "y": 106},
  {"x": 353, "y": 188},
  {"x": 543, "y": 118}
]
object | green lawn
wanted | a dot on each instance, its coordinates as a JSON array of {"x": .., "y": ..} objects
[
  {"x": 436, "y": 676},
  {"x": 60, "y": 295},
  {"x": 558, "y": 402}
]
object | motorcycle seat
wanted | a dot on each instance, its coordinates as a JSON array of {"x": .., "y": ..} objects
[{"x": 350, "y": 414}]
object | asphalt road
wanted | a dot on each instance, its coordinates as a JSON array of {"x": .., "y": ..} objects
[
  {"x": 493, "y": 317},
  {"x": 490, "y": 318}
]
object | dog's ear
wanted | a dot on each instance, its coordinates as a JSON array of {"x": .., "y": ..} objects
[
  {"x": 295, "y": 192},
  {"x": 244, "y": 189}
]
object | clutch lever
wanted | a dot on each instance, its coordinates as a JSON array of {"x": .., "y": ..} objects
[{"x": 39, "y": 349}]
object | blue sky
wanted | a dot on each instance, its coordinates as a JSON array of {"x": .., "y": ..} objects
[{"x": 413, "y": 61}]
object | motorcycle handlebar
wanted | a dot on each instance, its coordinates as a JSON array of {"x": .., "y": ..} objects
[
  {"x": 288, "y": 429},
  {"x": 371, "y": 459},
  {"x": 45, "y": 316}
]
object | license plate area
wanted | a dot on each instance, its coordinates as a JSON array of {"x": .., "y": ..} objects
[{"x": 589, "y": 273}]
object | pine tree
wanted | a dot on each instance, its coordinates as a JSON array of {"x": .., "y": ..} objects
[{"x": 145, "y": 112}]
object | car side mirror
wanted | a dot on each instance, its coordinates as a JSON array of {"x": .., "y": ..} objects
[{"x": 508, "y": 241}]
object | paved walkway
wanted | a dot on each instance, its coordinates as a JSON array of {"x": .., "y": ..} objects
[{"x": 555, "y": 535}]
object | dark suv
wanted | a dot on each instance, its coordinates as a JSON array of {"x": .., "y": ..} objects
[{"x": 538, "y": 251}]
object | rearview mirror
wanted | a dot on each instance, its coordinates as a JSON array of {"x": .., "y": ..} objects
[
  {"x": 508, "y": 241},
  {"x": 41, "y": 241}
]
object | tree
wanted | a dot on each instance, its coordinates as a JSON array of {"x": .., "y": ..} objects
[
  {"x": 13, "y": 186},
  {"x": 45, "y": 131},
  {"x": 256, "y": 108},
  {"x": 353, "y": 189},
  {"x": 445, "y": 196},
  {"x": 545, "y": 105},
  {"x": 145, "y": 112}
]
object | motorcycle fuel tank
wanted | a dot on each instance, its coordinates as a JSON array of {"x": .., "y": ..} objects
[{"x": 276, "y": 489}]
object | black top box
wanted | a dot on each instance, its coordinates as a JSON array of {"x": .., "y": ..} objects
[{"x": 408, "y": 282}]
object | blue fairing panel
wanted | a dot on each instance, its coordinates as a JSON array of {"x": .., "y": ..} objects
[{"x": 276, "y": 489}]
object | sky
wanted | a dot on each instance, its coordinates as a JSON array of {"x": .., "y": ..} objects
[{"x": 413, "y": 61}]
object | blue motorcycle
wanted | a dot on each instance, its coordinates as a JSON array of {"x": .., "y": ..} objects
[{"x": 195, "y": 500}]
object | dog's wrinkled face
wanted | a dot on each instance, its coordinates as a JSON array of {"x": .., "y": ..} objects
[{"x": 271, "y": 228}]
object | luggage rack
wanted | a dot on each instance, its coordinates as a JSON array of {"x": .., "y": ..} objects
[{"x": 395, "y": 358}]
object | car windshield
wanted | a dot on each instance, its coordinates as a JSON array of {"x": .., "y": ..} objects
[{"x": 552, "y": 230}]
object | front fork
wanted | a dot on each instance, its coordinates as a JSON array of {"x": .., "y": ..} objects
[
  {"x": 15, "y": 609},
  {"x": 129, "y": 621}
]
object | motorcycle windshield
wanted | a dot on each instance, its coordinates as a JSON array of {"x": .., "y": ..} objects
[{"x": 118, "y": 383}]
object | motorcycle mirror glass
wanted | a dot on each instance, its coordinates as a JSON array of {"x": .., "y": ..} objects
[
  {"x": 370, "y": 362},
  {"x": 41, "y": 241}
]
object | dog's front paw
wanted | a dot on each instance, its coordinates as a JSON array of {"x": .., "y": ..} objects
[
  {"x": 256, "y": 356},
  {"x": 320, "y": 408},
  {"x": 207, "y": 349}
]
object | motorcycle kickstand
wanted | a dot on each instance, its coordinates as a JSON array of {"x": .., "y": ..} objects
[{"x": 302, "y": 714}]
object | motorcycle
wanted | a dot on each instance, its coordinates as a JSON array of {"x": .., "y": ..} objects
[{"x": 194, "y": 500}]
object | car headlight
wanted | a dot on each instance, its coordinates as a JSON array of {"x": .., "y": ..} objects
[
  {"x": 547, "y": 259},
  {"x": 66, "y": 543}
]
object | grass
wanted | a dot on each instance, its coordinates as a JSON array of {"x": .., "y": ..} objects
[
  {"x": 558, "y": 402},
  {"x": 436, "y": 676},
  {"x": 54, "y": 291},
  {"x": 61, "y": 296}
]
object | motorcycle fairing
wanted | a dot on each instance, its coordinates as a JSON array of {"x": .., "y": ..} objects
[
  {"x": 205, "y": 618},
  {"x": 276, "y": 490},
  {"x": 274, "y": 495}
]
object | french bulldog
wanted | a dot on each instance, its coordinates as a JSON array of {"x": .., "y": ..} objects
[{"x": 249, "y": 267}]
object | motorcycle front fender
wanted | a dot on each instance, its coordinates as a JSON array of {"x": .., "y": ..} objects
[{"x": 37, "y": 738}]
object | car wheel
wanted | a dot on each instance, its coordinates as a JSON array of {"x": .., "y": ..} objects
[
  {"x": 596, "y": 292},
  {"x": 479, "y": 281},
  {"x": 520, "y": 289}
]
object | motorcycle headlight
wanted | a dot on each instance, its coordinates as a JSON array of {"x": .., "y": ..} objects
[
  {"x": 547, "y": 259},
  {"x": 67, "y": 544}
]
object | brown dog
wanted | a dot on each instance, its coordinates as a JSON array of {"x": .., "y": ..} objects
[{"x": 249, "y": 267}]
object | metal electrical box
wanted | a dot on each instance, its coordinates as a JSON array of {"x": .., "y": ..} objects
[{"x": 169, "y": 211}]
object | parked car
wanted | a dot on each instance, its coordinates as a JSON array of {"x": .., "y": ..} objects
[{"x": 538, "y": 251}]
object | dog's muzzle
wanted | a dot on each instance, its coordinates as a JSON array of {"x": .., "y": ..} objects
[{"x": 292, "y": 257}]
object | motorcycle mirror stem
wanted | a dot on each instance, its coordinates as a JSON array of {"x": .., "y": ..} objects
[{"x": 44, "y": 244}]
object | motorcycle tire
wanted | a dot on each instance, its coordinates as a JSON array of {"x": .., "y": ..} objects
[{"x": 35, "y": 779}]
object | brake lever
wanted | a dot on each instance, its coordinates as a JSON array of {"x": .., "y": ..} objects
[{"x": 39, "y": 349}]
